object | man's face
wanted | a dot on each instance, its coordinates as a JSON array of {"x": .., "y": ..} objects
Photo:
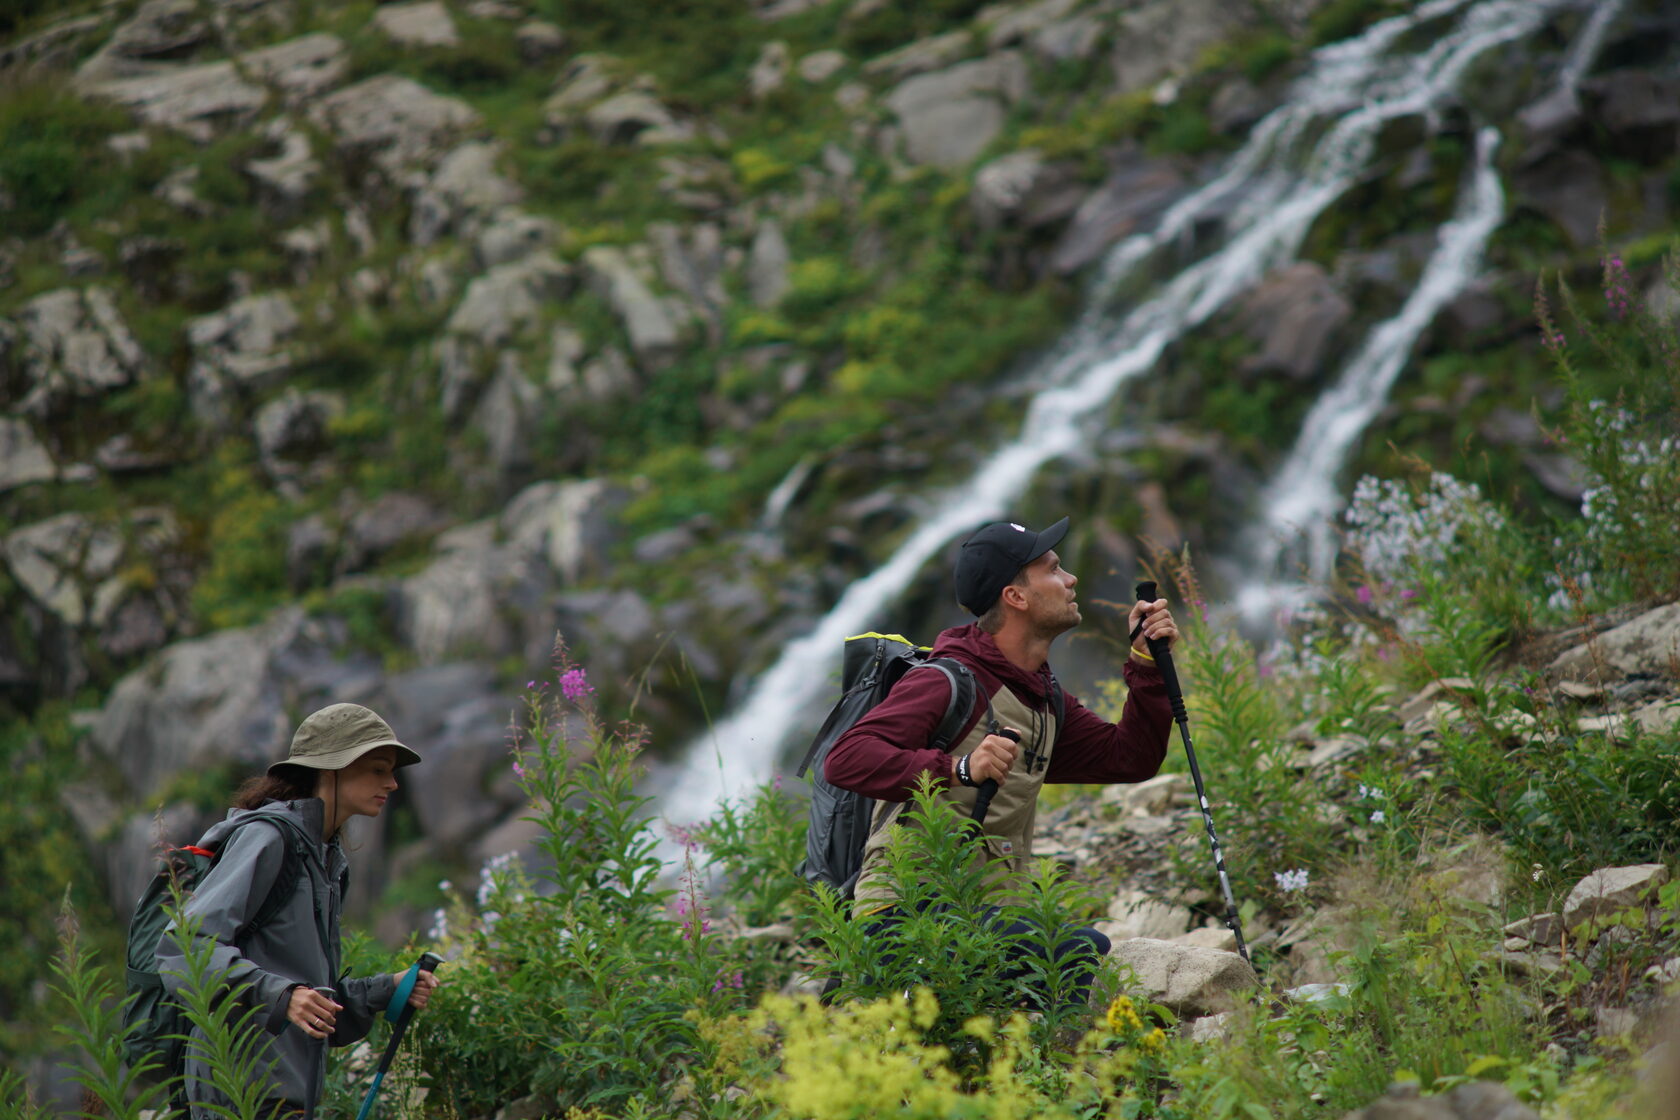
[{"x": 1050, "y": 596}]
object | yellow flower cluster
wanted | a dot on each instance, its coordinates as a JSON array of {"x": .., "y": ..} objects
[{"x": 1123, "y": 1017}]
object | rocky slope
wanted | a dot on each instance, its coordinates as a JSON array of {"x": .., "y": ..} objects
[{"x": 351, "y": 351}]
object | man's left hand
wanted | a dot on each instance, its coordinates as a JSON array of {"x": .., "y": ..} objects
[{"x": 1157, "y": 623}]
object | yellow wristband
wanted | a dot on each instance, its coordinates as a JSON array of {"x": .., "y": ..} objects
[{"x": 1141, "y": 655}]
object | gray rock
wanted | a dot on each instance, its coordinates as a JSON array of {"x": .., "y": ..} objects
[
  {"x": 511, "y": 235},
  {"x": 292, "y": 430},
  {"x": 506, "y": 300},
  {"x": 395, "y": 121},
  {"x": 1539, "y": 929},
  {"x": 462, "y": 717},
  {"x": 1024, "y": 189},
  {"x": 201, "y": 704},
  {"x": 283, "y": 181},
  {"x": 390, "y": 522},
  {"x": 476, "y": 598},
  {"x": 1479, "y": 1100},
  {"x": 1151, "y": 798},
  {"x": 302, "y": 69},
  {"x": 1134, "y": 195},
  {"x": 921, "y": 56},
  {"x": 74, "y": 344},
  {"x": 1132, "y": 913},
  {"x": 466, "y": 185},
  {"x": 137, "y": 626},
  {"x": 131, "y": 855},
  {"x": 1158, "y": 38},
  {"x": 1294, "y": 315},
  {"x": 1074, "y": 39},
  {"x": 158, "y": 30},
  {"x": 1644, "y": 647},
  {"x": 571, "y": 526},
  {"x": 585, "y": 80},
  {"x": 196, "y": 100},
  {"x": 67, "y": 564},
  {"x": 1568, "y": 188},
  {"x": 539, "y": 41},
  {"x": 507, "y": 416},
  {"x": 1612, "y": 889},
  {"x": 1013, "y": 24},
  {"x": 1235, "y": 107},
  {"x": 767, "y": 265},
  {"x": 23, "y": 458},
  {"x": 769, "y": 73},
  {"x": 1209, "y": 937},
  {"x": 819, "y": 66},
  {"x": 422, "y": 23},
  {"x": 948, "y": 117},
  {"x": 691, "y": 261},
  {"x": 609, "y": 376},
  {"x": 1185, "y": 978},
  {"x": 239, "y": 351},
  {"x": 654, "y": 333},
  {"x": 309, "y": 550},
  {"x": 615, "y": 633},
  {"x": 1640, "y": 104},
  {"x": 634, "y": 116}
]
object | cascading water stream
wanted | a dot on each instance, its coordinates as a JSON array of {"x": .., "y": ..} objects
[
  {"x": 1295, "y": 531},
  {"x": 1298, "y": 161}
]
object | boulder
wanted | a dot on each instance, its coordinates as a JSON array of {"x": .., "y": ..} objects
[
  {"x": 1132, "y": 913},
  {"x": 1612, "y": 889},
  {"x": 1024, "y": 189},
  {"x": 69, "y": 565},
  {"x": 461, "y": 716},
  {"x": 819, "y": 66},
  {"x": 1187, "y": 979},
  {"x": 300, "y": 69},
  {"x": 511, "y": 235},
  {"x": 72, "y": 344},
  {"x": 158, "y": 31},
  {"x": 390, "y": 522},
  {"x": 767, "y": 265},
  {"x": 283, "y": 181},
  {"x": 770, "y": 71},
  {"x": 571, "y": 526},
  {"x": 921, "y": 56},
  {"x": 292, "y": 430},
  {"x": 634, "y": 116},
  {"x": 1479, "y": 1100},
  {"x": 422, "y": 23},
  {"x": 205, "y": 703},
  {"x": 949, "y": 116},
  {"x": 1209, "y": 937},
  {"x": 1136, "y": 193},
  {"x": 1566, "y": 187},
  {"x": 1648, "y": 646},
  {"x": 239, "y": 351},
  {"x": 539, "y": 41},
  {"x": 196, "y": 100},
  {"x": 1012, "y": 25},
  {"x": 23, "y": 458},
  {"x": 585, "y": 80},
  {"x": 394, "y": 121},
  {"x": 476, "y": 598},
  {"x": 1156, "y": 39},
  {"x": 507, "y": 415},
  {"x": 1150, "y": 798},
  {"x": 691, "y": 261},
  {"x": 466, "y": 185},
  {"x": 1294, "y": 316},
  {"x": 653, "y": 331},
  {"x": 1639, "y": 108},
  {"x": 508, "y": 298}
]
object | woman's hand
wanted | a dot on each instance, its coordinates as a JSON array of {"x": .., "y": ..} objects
[
  {"x": 314, "y": 1013},
  {"x": 423, "y": 985}
]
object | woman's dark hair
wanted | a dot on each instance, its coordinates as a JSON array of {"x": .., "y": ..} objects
[{"x": 287, "y": 783}]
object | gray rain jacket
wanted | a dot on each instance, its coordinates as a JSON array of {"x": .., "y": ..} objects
[{"x": 300, "y": 946}]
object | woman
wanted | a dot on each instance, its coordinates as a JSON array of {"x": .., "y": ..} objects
[{"x": 343, "y": 763}]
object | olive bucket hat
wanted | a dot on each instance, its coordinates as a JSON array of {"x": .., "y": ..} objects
[{"x": 338, "y": 735}]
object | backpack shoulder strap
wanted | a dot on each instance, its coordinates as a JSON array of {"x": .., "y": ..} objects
[
  {"x": 963, "y": 688},
  {"x": 292, "y": 863},
  {"x": 1058, "y": 703}
]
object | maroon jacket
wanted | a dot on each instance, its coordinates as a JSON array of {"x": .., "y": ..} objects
[{"x": 883, "y": 754}]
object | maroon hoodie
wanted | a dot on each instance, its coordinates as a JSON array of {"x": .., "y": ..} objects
[{"x": 883, "y": 754}]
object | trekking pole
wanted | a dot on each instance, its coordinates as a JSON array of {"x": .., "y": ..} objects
[
  {"x": 1162, "y": 653},
  {"x": 315, "y": 1083},
  {"x": 983, "y": 799},
  {"x": 400, "y": 1013}
]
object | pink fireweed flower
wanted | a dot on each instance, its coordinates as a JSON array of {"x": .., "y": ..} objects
[
  {"x": 1365, "y": 595},
  {"x": 727, "y": 980},
  {"x": 574, "y": 685}
]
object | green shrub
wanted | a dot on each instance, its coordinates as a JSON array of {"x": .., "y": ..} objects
[{"x": 52, "y": 152}]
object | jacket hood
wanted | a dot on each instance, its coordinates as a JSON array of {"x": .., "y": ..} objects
[
  {"x": 308, "y": 814},
  {"x": 977, "y": 649}
]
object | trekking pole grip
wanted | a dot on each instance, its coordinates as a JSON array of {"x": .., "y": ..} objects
[
  {"x": 1161, "y": 651},
  {"x": 989, "y": 787}
]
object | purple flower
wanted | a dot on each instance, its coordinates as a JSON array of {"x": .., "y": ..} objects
[
  {"x": 1365, "y": 595},
  {"x": 530, "y": 684},
  {"x": 518, "y": 770},
  {"x": 574, "y": 685},
  {"x": 727, "y": 980}
]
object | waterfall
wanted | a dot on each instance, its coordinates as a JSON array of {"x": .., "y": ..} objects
[{"x": 1298, "y": 160}]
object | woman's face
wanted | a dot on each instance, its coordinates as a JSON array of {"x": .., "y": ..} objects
[{"x": 366, "y": 784}]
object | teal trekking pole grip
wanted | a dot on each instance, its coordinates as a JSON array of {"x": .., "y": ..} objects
[
  {"x": 400, "y": 1014},
  {"x": 1161, "y": 651}
]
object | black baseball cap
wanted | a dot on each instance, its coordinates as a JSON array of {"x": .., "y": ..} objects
[{"x": 991, "y": 557}]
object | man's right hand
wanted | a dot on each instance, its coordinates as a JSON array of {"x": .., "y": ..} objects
[{"x": 992, "y": 759}]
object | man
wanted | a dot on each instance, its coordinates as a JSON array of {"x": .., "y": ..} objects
[{"x": 1010, "y": 578}]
